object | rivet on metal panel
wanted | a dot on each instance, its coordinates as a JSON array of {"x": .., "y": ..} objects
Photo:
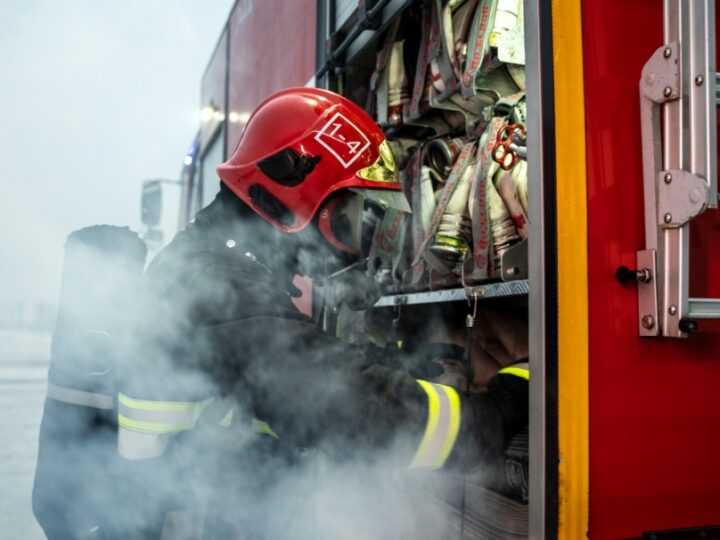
[
  {"x": 667, "y": 91},
  {"x": 696, "y": 195},
  {"x": 667, "y": 52},
  {"x": 648, "y": 321},
  {"x": 668, "y": 178},
  {"x": 667, "y": 217},
  {"x": 672, "y": 310},
  {"x": 699, "y": 80}
]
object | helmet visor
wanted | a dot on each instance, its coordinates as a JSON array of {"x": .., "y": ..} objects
[
  {"x": 385, "y": 198},
  {"x": 348, "y": 220},
  {"x": 384, "y": 168}
]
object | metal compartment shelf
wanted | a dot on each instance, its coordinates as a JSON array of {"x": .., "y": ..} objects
[{"x": 488, "y": 290}]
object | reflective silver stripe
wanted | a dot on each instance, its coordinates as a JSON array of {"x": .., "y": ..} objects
[
  {"x": 148, "y": 416},
  {"x": 183, "y": 525},
  {"x": 79, "y": 397},
  {"x": 442, "y": 427},
  {"x": 134, "y": 445}
]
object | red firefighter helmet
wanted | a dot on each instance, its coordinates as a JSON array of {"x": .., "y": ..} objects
[{"x": 299, "y": 147}]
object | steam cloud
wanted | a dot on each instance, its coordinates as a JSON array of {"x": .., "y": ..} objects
[{"x": 174, "y": 343}]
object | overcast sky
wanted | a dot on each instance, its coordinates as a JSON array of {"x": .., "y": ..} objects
[{"x": 95, "y": 96}]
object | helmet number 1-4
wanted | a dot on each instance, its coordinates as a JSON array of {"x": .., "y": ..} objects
[{"x": 343, "y": 139}]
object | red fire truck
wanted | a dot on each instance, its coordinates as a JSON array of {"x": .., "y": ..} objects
[{"x": 616, "y": 278}]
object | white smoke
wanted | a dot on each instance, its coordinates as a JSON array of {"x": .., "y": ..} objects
[
  {"x": 96, "y": 97},
  {"x": 90, "y": 118},
  {"x": 336, "y": 470}
]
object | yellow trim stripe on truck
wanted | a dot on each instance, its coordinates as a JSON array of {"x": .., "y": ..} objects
[{"x": 573, "y": 404}]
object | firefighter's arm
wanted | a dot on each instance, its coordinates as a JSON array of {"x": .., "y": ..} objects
[
  {"x": 317, "y": 391},
  {"x": 495, "y": 416}
]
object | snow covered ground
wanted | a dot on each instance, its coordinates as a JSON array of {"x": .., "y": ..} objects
[{"x": 24, "y": 360}]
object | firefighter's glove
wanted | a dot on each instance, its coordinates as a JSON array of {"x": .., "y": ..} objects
[
  {"x": 491, "y": 420},
  {"x": 354, "y": 288},
  {"x": 453, "y": 373},
  {"x": 436, "y": 362},
  {"x": 517, "y": 466}
]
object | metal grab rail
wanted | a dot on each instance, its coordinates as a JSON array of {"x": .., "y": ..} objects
[{"x": 679, "y": 93}]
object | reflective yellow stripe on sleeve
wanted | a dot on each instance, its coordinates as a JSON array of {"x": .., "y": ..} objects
[
  {"x": 259, "y": 426},
  {"x": 158, "y": 416},
  {"x": 519, "y": 370},
  {"x": 152, "y": 427},
  {"x": 443, "y": 425},
  {"x": 148, "y": 405},
  {"x": 227, "y": 420}
]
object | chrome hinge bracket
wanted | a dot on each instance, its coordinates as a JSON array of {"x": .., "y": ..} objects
[
  {"x": 660, "y": 80},
  {"x": 682, "y": 196},
  {"x": 648, "y": 316}
]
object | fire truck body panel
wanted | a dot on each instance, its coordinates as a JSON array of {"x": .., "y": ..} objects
[
  {"x": 654, "y": 442},
  {"x": 281, "y": 39}
]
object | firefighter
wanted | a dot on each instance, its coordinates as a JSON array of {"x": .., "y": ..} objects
[{"x": 226, "y": 377}]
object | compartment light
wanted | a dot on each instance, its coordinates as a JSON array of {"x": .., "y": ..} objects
[{"x": 239, "y": 118}]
